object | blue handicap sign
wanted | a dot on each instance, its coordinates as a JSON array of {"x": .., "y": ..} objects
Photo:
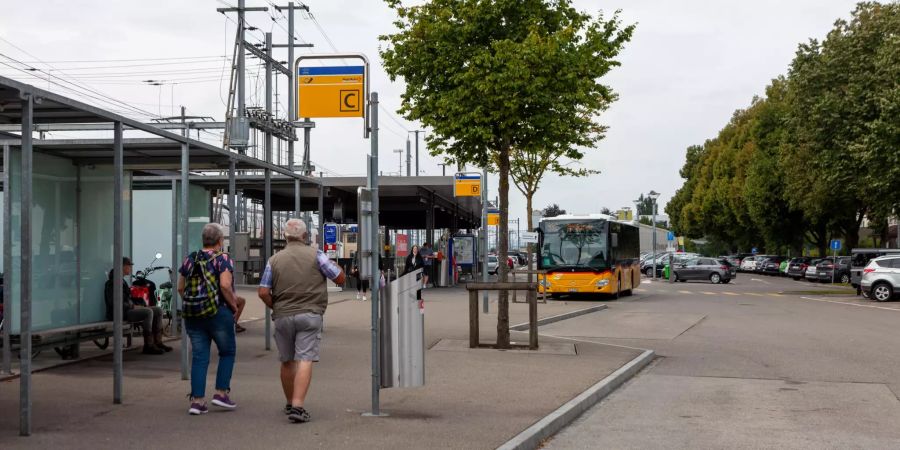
[
  {"x": 670, "y": 236},
  {"x": 754, "y": 250},
  {"x": 330, "y": 233},
  {"x": 835, "y": 244}
]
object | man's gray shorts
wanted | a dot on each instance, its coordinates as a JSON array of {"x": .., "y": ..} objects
[{"x": 298, "y": 336}]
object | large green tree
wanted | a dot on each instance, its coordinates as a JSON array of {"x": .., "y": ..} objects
[{"x": 491, "y": 76}]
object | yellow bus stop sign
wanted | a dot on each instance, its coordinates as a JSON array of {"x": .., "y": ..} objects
[
  {"x": 467, "y": 185},
  {"x": 331, "y": 91}
]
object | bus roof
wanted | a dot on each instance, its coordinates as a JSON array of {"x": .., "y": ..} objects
[{"x": 579, "y": 216}]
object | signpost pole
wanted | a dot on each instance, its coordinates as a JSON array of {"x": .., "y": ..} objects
[
  {"x": 484, "y": 232},
  {"x": 376, "y": 250}
]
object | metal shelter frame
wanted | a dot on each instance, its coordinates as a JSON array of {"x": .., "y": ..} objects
[{"x": 30, "y": 108}]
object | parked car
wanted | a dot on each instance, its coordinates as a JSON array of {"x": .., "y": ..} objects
[
  {"x": 829, "y": 269},
  {"x": 493, "y": 263},
  {"x": 647, "y": 265},
  {"x": 810, "y": 273},
  {"x": 772, "y": 265},
  {"x": 703, "y": 269},
  {"x": 859, "y": 259},
  {"x": 748, "y": 264},
  {"x": 732, "y": 268},
  {"x": 797, "y": 267},
  {"x": 761, "y": 263},
  {"x": 881, "y": 277}
]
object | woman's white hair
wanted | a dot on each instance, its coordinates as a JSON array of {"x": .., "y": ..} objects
[
  {"x": 294, "y": 229},
  {"x": 212, "y": 233}
]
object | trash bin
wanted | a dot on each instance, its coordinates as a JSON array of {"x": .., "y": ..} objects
[
  {"x": 403, "y": 333},
  {"x": 666, "y": 272}
]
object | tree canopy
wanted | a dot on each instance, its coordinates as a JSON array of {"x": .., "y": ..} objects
[
  {"x": 494, "y": 78},
  {"x": 815, "y": 156}
]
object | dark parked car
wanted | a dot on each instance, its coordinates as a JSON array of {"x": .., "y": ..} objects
[
  {"x": 772, "y": 265},
  {"x": 797, "y": 267},
  {"x": 732, "y": 267},
  {"x": 703, "y": 269},
  {"x": 828, "y": 270}
]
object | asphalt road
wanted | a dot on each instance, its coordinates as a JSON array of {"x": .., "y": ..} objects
[{"x": 759, "y": 363}]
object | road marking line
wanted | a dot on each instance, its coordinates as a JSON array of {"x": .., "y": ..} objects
[
  {"x": 730, "y": 293},
  {"x": 754, "y": 294},
  {"x": 775, "y": 295},
  {"x": 848, "y": 303},
  {"x": 708, "y": 293},
  {"x": 685, "y": 292}
]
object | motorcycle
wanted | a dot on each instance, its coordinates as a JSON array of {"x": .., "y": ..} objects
[{"x": 145, "y": 289}]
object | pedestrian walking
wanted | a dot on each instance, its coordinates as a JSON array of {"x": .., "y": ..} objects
[
  {"x": 427, "y": 264},
  {"x": 208, "y": 307},
  {"x": 413, "y": 260},
  {"x": 293, "y": 285},
  {"x": 362, "y": 284}
]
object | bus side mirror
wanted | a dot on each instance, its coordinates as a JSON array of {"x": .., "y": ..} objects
[{"x": 615, "y": 239}]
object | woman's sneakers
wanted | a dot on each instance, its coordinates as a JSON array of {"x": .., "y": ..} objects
[
  {"x": 198, "y": 408},
  {"x": 298, "y": 415},
  {"x": 222, "y": 401}
]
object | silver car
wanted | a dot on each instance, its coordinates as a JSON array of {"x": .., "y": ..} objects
[{"x": 881, "y": 277}]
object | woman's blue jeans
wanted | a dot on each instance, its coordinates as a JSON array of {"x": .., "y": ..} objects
[{"x": 218, "y": 328}]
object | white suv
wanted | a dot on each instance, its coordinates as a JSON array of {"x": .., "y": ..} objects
[
  {"x": 748, "y": 264},
  {"x": 881, "y": 277}
]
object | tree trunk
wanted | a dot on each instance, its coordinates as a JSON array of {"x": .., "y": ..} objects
[{"x": 502, "y": 250}]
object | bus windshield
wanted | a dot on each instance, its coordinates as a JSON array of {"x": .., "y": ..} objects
[{"x": 574, "y": 244}]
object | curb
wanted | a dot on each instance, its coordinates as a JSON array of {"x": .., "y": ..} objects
[
  {"x": 534, "y": 435},
  {"x": 559, "y": 317}
]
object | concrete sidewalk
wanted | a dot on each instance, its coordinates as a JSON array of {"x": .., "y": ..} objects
[{"x": 472, "y": 398}]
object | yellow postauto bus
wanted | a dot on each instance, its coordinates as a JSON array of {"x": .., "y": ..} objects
[{"x": 588, "y": 254}]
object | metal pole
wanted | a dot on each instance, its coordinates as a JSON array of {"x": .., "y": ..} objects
[
  {"x": 241, "y": 112},
  {"x": 292, "y": 101},
  {"x": 176, "y": 317},
  {"x": 185, "y": 238},
  {"x": 7, "y": 259},
  {"x": 267, "y": 200},
  {"x": 117, "y": 262},
  {"x": 408, "y": 167},
  {"x": 417, "y": 152},
  {"x": 484, "y": 232},
  {"x": 375, "y": 283},
  {"x": 25, "y": 271},
  {"x": 305, "y": 171},
  {"x": 297, "y": 198},
  {"x": 232, "y": 190},
  {"x": 321, "y": 234},
  {"x": 653, "y": 215}
]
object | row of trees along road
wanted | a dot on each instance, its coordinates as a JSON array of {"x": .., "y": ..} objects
[
  {"x": 814, "y": 157},
  {"x": 510, "y": 85}
]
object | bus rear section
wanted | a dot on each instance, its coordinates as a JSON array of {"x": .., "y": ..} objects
[{"x": 588, "y": 255}]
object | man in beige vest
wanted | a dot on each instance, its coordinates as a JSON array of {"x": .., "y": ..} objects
[{"x": 294, "y": 286}]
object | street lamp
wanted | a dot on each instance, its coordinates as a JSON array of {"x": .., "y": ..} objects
[
  {"x": 653, "y": 196},
  {"x": 399, "y": 152}
]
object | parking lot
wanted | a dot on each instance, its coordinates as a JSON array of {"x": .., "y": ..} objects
[{"x": 763, "y": 362}]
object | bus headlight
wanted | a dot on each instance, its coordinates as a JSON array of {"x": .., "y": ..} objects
[{"x": 602, "y": 283}]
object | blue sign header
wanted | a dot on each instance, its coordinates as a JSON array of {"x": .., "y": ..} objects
[{"x": 334, "y": 70}]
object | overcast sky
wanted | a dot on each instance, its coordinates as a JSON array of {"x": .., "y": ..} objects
[{"x": 690, "y": 64}]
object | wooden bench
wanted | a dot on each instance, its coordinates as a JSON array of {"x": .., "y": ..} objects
[{"x": 66, "y": 341}]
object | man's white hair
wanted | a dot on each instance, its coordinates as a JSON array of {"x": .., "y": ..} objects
[{"x": 294, "y": 229}]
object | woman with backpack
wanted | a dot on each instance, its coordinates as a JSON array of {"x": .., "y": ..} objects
[{"x": 208, "y": 306}]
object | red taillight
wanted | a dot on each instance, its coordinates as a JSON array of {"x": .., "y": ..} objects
[
  {"x": 804, "y": 266},
  {"x": 868, "y": 270},
  {"x": 724, "y": 267}
]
